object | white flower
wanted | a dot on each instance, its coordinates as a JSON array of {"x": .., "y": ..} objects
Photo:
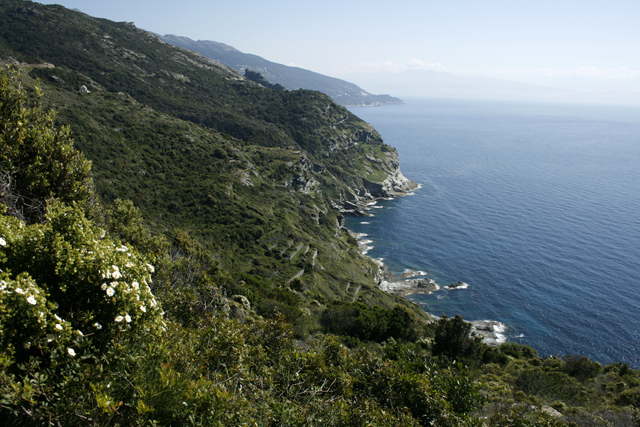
[
  {"x": 58, "y": 326},
  {"x": 122, "y": 248},
  {"x": 3, "y": 285},
  {"x": 80, "y": 333},
  {"x": 129, "y": 264},
  {"x": 103, "y": 287},
  {"x": 119, "y": 319},
  {"x": 41, "y": 314},
  {"x": 71, "y": 352},
  {"x": 97, "y": 325},
  {"x": 57, "y": 318},
  {"x": 127, "y": 318},
  {"x": 114, "y": 284},
  {"x": 104, "y": 233},
  {"x": 27, "y": 345},
  {"x": 150, "y": 267},
  {"x": 19, "y": 291},
  {"x": 135, "y": 285},
  {"x": 143, "y": 308},
  {"x": 31, "y": 300},
  {"x": 3, "y": 242},
  {"x": 116, "y": 275},
  {"x": 110, "y": 291},
  {"x": 49, "y": 338}
]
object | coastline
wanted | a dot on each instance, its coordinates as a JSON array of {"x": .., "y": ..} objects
[{"x": 410, "y": 282}]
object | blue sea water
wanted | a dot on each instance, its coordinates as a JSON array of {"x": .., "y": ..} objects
[{"x": 536, "y": 206}]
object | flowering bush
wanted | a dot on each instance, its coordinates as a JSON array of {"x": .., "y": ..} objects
[{"x": 66, "y": 284}]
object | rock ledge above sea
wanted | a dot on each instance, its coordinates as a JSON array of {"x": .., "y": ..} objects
[{"x": 491, "y": 331}]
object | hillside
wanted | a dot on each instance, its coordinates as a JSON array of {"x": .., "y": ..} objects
[
  {"x": 208, "y": 151},
  {"x": 342, "y": 92},
  {"x": 172, "y": 252}
]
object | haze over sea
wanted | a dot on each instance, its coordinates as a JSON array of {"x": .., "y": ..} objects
[{"x": 536, "y": 206}]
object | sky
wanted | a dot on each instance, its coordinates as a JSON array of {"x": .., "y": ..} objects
[{"x": 575, "y": 44}]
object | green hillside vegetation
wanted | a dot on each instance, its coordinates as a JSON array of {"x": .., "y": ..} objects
[{"x": 161, "y": 266}]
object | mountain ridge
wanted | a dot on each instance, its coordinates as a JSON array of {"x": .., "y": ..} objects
[{"x": 343, "y": 92}]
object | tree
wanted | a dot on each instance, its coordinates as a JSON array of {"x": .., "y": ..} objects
[
  {"x": 452, "y": 339},
  {"x": 37, "y": 159}
]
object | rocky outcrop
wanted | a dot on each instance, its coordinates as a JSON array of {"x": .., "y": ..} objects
[
  {"x": 396, "y": 184},
  {"x": 491, "y": 331},
  {"x": 458, "y": 285},
  {"x": 356, "y": 187},
  {"x": 411, "y": 286}
]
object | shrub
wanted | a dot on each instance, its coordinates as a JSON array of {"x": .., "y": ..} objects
[
  {"x": 37, "y": 159},
  {"x": 452, "y": 339},
  {"x": 66, "y": 291},
  {"x": 581, "y": 367}
]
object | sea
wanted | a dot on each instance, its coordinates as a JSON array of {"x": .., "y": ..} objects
[{"x": 534, "y": 206}]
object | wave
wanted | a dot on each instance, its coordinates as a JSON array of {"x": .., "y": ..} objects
[
  {"x": 409, "y": 273},
  {"x": 365, "y": 249}
]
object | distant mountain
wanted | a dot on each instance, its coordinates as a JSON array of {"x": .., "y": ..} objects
[
  {"x": 441, "y": 84},
  {"x": 343, "y": 92}
]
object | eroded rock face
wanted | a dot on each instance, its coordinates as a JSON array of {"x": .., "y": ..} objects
[
  {"x": 351, "y": 182},
  {"x": 394, "y": 185}
]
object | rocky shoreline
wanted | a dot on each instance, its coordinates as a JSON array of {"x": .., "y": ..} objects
[
  {"x": 395, "y": 185},
  {"x": 411, "y": 282},
  {"x": 414, "y": 282},
  {"x": 407, "y": 283},
  {"x": 491, "y": 331}
]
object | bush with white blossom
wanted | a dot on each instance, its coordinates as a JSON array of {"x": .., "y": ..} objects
[{"x": 65, "y": 284}]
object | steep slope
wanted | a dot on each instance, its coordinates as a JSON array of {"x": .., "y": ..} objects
[
  {"x": 343, "y": 92},
  {"x": 251, "y": 173}
]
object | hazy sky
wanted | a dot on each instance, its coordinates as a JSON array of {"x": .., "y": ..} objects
[{"x": 523, "y": 40}]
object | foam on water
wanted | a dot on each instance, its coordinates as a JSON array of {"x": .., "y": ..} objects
[{"x": 455, "y": 287}]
